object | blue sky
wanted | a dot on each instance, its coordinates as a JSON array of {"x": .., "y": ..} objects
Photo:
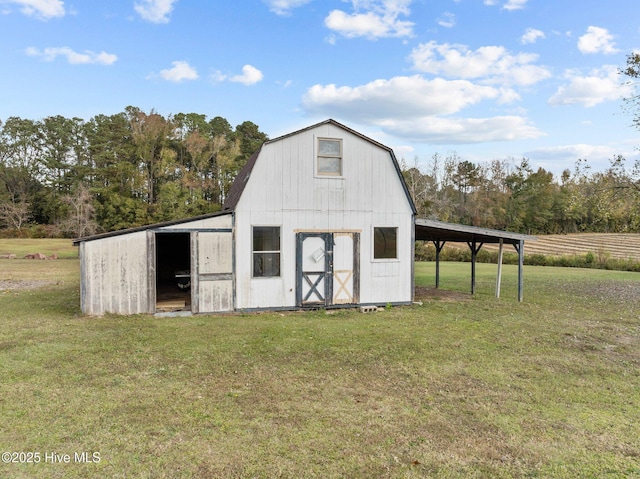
[{"x": 487, "y": 79}]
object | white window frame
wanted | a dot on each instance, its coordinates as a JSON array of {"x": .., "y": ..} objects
[
  {"x": 254, "y": 252},
  {"x": 323, "y": 155}
]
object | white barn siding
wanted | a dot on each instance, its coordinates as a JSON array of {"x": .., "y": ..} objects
[
  {"x": 212, "y": 271},
  {"x": 335, "y": 214},
  {"x": 118, "y": 272},
  {"x": 222, "y": 221},
  {"x": 283, "y": 190},
  {"x": 115, "y": 275}
]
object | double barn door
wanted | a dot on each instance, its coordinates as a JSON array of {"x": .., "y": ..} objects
[{"x": 327, "y": 268}]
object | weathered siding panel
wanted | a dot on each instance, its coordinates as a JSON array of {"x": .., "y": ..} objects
[
  {"x": 222, "y": 221},
  {"x": 115, "y": 275},
  {"x": 215, "y": 253},
  {"x": 215, "y": 272},
  {"x": 215, "y": 296}
]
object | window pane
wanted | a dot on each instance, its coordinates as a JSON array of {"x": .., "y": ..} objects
[
  {"x": 329, "y": 157},
  {"x": 266, "y": 238},
  {"x": 329, "y": 148},
  {"x": 385, "y": 243},
  {"x": 266, "y": 251},
  {"x": 329, "y": 166},
  {"x": 266, "y": 264}
]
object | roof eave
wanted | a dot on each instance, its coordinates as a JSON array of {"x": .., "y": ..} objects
[
  {"x": 459, "y": 233},
  {"x": 137, "y": 229}
]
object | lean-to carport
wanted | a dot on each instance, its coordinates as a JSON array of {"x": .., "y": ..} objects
[{"x": 439, "y": 233}]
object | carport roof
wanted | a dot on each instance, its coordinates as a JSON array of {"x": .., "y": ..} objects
[{"x": 432, "y": 230}]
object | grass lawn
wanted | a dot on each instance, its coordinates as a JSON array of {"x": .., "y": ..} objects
[
  {"x": 21, "y": 247},
  {"x": 455, "y": 388}
]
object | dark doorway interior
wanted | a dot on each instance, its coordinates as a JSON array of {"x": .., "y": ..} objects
[{"x": 173, "y": 272}]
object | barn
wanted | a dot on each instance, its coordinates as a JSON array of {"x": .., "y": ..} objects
[{"x": 320, "y": 217}]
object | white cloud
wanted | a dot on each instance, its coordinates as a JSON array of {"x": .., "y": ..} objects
[
  {"x": 509, "y": 4},
  {"x": 181, "y": 71},
  {"x": 284, "y": 7},
  {"x": 578, "y": 151},
  {"x": 515, "y": 4},
  {"x": 250, "y": 76},
  {"x": 43, "y": 9},
  {"x": 493, "y": 64},
  {"x": 372, "y": 19},
  {"x": 597, "y": 156},
  {"x": 155, "y": 11},
  {"x": 531, "y": 36},
  {"x": 452, "y": 131},
  {"x": 419, "y": 109},
  {"x": 75, "y": 58},
  {"x": 598, "y": 86},
  {"x": 218, "y": 77},
  {"x": 411, "y": 96},
  {"x": 597, "y": 40},
  {"x": 447, "y": 20}
]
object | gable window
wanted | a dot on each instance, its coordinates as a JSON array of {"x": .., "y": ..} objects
[
  {"x": 266, "y": 251},
  {"x": 385, "y": 243},
  {"x": 329, "y": 161}
]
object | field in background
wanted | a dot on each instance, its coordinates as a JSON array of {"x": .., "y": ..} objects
[
  {"x": 458, "y": 387},
  {"x": 63, "y": 248},
  {"x": 613, "y": 245}
]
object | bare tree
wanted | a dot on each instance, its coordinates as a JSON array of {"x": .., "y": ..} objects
[
  {"x": 14, "y": 215},
  {"x": 81, "y": 220}
]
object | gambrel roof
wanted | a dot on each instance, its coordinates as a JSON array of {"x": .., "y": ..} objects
[{"x": 237, "y": 188}]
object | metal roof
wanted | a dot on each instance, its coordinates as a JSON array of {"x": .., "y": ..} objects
[
  {"x": 237, "y": 187},
  {"x": 148, "y": 227},
  {"x": 432, "y": 230}
]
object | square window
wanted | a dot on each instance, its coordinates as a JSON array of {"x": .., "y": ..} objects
[
  {"x": 266, "y": 251},
  {"x": 385, "y": 243},
  {"x": 329, "y": 162}
]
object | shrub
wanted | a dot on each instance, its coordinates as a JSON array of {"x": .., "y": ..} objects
[
  {"x": 536, "y": 259},
  {"x": 599, "y": 260}
]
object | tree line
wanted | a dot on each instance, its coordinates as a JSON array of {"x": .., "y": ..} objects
[
  {"x": 511, "y": 195},
  {"x": 70, "y": 177}
]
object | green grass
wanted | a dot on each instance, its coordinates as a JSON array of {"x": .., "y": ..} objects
[
  {"x": 21, "y": 247},
  {"x": 478, "y": 387}
]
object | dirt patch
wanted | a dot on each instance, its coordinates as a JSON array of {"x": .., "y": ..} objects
[
  {"x": 427, "y": 293},
  {"x": 617, "y": 290},
  {"x": 620, "y": 291},
  {"x": 15, "y": 284}
]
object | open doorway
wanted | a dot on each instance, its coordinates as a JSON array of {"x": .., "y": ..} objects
[{"x": 173, "y": 272}]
